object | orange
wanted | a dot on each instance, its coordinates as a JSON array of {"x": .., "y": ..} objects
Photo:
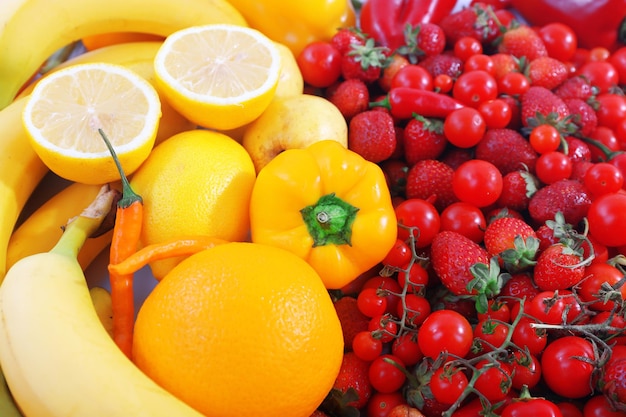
[{"x": 241, "y": 329}]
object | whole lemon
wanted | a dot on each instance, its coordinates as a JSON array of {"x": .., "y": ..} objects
[
  {"x": 241, "y": 329},
  {"x": 197, "y": 182}
]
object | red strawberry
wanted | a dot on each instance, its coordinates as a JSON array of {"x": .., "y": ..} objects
[
  {"x": 345, "y": 37},
  {"x": 522, "y": 41},
  {"x": 558, "y": 267},
  {"x": 547, "y": 72},
  {"x": 351, "y": 318},
  {"x": 350, "y": 97},
  {"x": 476, "y": 22},
  {"x": 423, "y": 139},
  {"x": 519, "y": 286},
  {"x": 444, "y": 63},
  {"x": 583, "y": 115},
  {"x": 372, "y": 135},
  {"x": 454, "y": 156},
  {"x": 507, "y": 149},
  {"x": 517, "y": 188},
  {"x": 503, "y": 64},
  {"x": 569, "y": 197},
  {"x": 613, "y": 383},
  {"x": 424, "y": 39},
  {"x": 577, "y": 150},
  {"x": 452, "y": 255},
  {"x": 513, "y": 240},
  {"x": 575, "y": 87},
  {"x": 319, "y": 413},
  {"x": 353, "y": 376},
  {"x": 541, "y": 105},
  {"x": 431, "y": 179},
  {"x": 364, "y": 62}
]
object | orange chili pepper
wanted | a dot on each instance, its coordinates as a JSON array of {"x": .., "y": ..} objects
[
  {"x": 126, "y": 233},
  {"x": 182, "y": 246}
]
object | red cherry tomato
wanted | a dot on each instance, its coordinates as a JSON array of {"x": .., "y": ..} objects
[
  {"x": 320, "y": 64},
  {"x": 477, "y": 182}
]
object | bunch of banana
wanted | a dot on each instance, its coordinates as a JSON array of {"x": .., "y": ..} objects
[{"x": 32, "y": 30}]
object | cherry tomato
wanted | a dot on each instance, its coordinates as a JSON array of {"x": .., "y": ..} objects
[
  {"x": 447, "y": 383},
  {"x": 528, "y": 337},
  {"x": 370, "y": 303},
  {"x": 414, "y": 76},
  {"x": 445, "y": 331},
  {"x": 384, "y": 376},
  {"x": 611, "y": 109},
  {"x": 567, "y": 368},
  {"x": 536, "y": 407},
  {"x": 481, "y": 62},
  {"x": 569, "y": 409},
  {"x": 477, "y": 182},
  {"x": 388, "y": 285},
  {"x": 384, "y": 327},
  {"x": 513, "y": 83},
  {"x": 526, "y": 370},
  {"x": 496, "y": 113},
  {"x": 443, "y": 83},
  {"x": 464, "y": 127},
  {"x": 414, "y": 310},
  {"x": 381, "y": 404},
  {"x": 490, "y": 335},
  {"x": 494, "y": 381},
  {"x": 606, "y": 219},
  {"x": 399, "y": 255},
  {"x": 466, "y": 219},
  {"x": 560, "y": 40},
  {"x": 553, "y": 166},
  {"x": 601, "y": 74},
  {"x": 406, "y": 348},
  {"x": 603, "y": 178},
  {"x": 320, "y": 64},
  {"x": 417, "y": 278},
  {"x": 550, "y": 307},
  {"x": 544, "y": 138},
  {"x": 618, "y": 60},
  {"x": 599, "y": 406},
  {"x": 475, "y": 87},
  {"x": 606, "y": 137},
  {"x": 421, "y": 214},
  {"x": 496, "y": 310},
  {"x": 467, "y": 46},
  {"x": 366, "y": 346}
]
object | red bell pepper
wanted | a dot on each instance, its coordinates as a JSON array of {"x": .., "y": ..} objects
[
  {"x": 595, "y": 22},
  {"x": 386, "y": 20}
]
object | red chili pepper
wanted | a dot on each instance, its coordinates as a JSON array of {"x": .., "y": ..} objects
[
  {"x": 404, "y": 102},
  {"x": 596, "y": 22},
  {"x": 386, "y": 20}
]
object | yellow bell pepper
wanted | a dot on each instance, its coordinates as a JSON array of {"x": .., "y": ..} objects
[
  {"x": 297, "y": 23},
  {"x": 328, "y": 205}
]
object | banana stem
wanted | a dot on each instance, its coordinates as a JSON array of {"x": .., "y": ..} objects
[{"x": 84, "y": 225}]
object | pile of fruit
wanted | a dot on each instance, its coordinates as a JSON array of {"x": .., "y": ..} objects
[{"x": 372, "y": 208}]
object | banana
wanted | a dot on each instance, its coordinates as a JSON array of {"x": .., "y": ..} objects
[
  {"x": 21, "y": 170},
  {"x": 32, "y": 30},
  {"x": 102, "y": 303},
  {"x": 8, "y": 408},
  {"x": 43, "y": 228},
  {"x": 57, "y": 357}
]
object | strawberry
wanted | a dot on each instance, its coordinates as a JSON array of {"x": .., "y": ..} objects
[
  {"x": 558, "y": 267},
  {"x": 507, "y": 149},
  {"x": 396, "y": 171},
  {"x": 613, "y": 383},
  {"x": 364, "y": 62},
  {"x": 423, "y": 139},
  {"x": 583, "y": 115},
  {"x": 570, "y": 197},
  {"x": 541, "y": 105},
  {"x": 517, "y": 188},
  {"x": 351, "y": 319},
  {"x": 394, "y": 64},
  {"x": 353, "y": 378},
  {"x": 577, "y": 150},
  {"x": 452, "y": 255},
  {"x": 513, "y": 241},
  {"x": 546, "y": 72},
  {"x": 343, "y": 39},
  {"x": 575, "y": 87},
  {"x": 424, "y": 39},
  {"x": 454, "y": 156},
  {"x": 444, "y": 63},
  {"x": 372, "y": 135},
  {"x": 476, "y": 22},
  {"x": 431, "y": 179},
  {"x": 319, "y": 413},
  {"x": 503, "y": 64},
  {"x": 349, "y": 96},
  {"x": 519, "y": 286},
  {"x": 522, "y": 41}
]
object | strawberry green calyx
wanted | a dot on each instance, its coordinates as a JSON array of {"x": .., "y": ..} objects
[
  {"x": 522, "y": 256},
  {"x": 329, "y": 221},
  {"x": 487, "y": 283},
  {"x": 369, "y": 55}
]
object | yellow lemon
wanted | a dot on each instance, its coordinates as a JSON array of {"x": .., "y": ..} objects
[
  {"x": 241, "y": 329},
  {"x": 219, "y": 76},
  {"x": 197, "y": 182},
  {"x": 66, "y": 110}
]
